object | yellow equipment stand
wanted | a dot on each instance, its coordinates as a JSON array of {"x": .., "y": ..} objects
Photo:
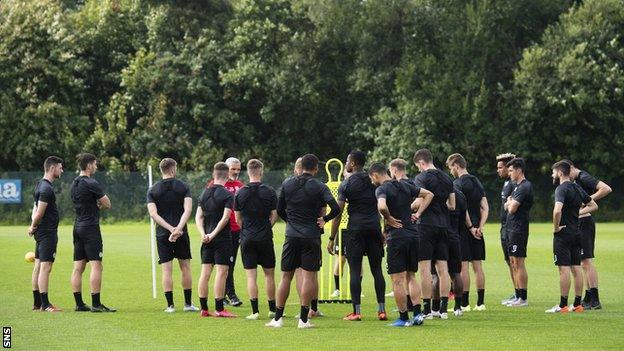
[{"x": 326, "y": 291}]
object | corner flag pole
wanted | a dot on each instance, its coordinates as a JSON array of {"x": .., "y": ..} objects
[{"x": 152, "y": 238}]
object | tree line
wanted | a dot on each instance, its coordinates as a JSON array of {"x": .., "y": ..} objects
[{"x": 133, "y": 81}]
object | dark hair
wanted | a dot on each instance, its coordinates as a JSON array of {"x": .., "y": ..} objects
[
  {"x": 166, "y": 164},
  {"x": 378, "y": 168},
  {"x": 568, "y": 162},
  {"x": 399, "y": 164},
  {"x": 504, "y": 158},
  {"x": 85, "y": 159},
  {"x": 423, "y": 155},
  {"x": 221, "y": 170},
  {"x": 562, "y": 166},
  {"x": 456, "y": 159},
  {"x": 51, "y": 161},
  {"x": 309, "y": 162},
  {"x": 358, "y": 157},
  {"x": 517, "y": 163}
]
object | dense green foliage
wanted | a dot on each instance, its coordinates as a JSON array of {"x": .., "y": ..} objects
[{"x": 136, "y": 80}]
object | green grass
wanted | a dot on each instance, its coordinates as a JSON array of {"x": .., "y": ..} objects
[{"x": 141, "y": 324}]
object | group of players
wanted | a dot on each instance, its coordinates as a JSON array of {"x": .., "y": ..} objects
[{"x": 432, "y": 225}]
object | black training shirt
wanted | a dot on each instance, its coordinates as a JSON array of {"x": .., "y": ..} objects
[
  {"x": 213, "y": 202},
  {"x": 441, "y": 185},
  {"x": 255, "y": 201},
  {"x": 399, "y": 197},
  {"x": 587, "y": 182},
  {"x": 572, "y": 196},
  {"x": 518, "y": 222},
  {"x": 508, "y": 187},
  {"x": 458, "y": 216},
  {"x": 359, "y": 192},
  {"x": 168, "y": 195},
  {"x": 85, "y": 192},
  {"x": 300, "y": 201},
  {"x": 474, "y": 192},
  {"x": 45, "y": 192}
]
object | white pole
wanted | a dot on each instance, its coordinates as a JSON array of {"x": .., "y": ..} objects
[{"x": 152, "y": 239}]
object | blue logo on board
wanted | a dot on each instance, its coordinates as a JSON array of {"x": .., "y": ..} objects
[{"x": 10, "y": 191}]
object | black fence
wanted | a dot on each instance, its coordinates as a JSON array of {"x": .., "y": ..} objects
[{"x": 127, "y": 192}]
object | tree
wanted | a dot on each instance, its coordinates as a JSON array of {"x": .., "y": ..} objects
[
  {"x": 40, "y": 94},
  {"x": 568, "y": 93}
]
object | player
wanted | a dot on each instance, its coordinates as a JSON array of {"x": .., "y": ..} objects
[
  {"x": 299, "y": 203},
  {"x": 256, "y": 212},
  {"x": 473, "y": 246},
  {"x": 518, "y": 206},
  {"x": 44, "y": 227},
  {"x": 363, "y": 234},
  {"x": 212, "y": 220},
  {"x": 571, "y": 201},
  {"x": 88, "y": 199},
  {"x": 314, "y": 311},
  {"x": 597, "y": 190},
  {"x": 398, "y": 171},
  {"x": 433, "y": 229},
  {"x": 170, "y": 204},
  {"x": 502, "y": 171},
  {"x": 395, "y": 201}
]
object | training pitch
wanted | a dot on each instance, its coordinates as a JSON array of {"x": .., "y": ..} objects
[{"x": 140, "y": 322}]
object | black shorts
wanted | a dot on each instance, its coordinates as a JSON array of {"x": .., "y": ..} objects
[
  {"x": 472, "y": 249},
  {"x": 567, "y": 248},
  {"x": 304, "y": 253},
  {"x": 88, "y": 243},
  {"x": 587, "y": 225},
  {"x": 433, "y": 243},
  {"x": 517, "y": 244},
  {"x": 358, "y": 243},
  {"x": 504, "y": 243},
  {"x": 454, "y": 258},
  {"x": 402, "y": 254},
  {"x": 45, "y": 245},
  {"x": 256, "y": 253},
  {"x": 217, "y": 252},
  {"x": 167, "y": 250}
]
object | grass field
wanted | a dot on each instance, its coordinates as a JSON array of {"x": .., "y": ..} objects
[{"x": 141, "y": 324}]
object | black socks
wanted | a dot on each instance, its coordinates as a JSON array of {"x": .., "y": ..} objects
[
  {"x": 187, "y": 296},
  {"x": 219, "y": 305},
  {"x": 254, "y": 305},
  {"x": 480, "y": 296},
  {"x": 272, "y": 305},
  {"x": 95, "y": 300},
  {"x": 314, "y": 305},
  {"x": 427, "y": 306},
  {"x": 45, "y": 303},
  {"x": 279, "y": 312},
  {"x": 78, "y": 298},
  {"x": 443, "y": 304},
  {"x": 303, "y": 315},
  {"x": 37, "y": 299},
  {"x": 169, "y": 297}
]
